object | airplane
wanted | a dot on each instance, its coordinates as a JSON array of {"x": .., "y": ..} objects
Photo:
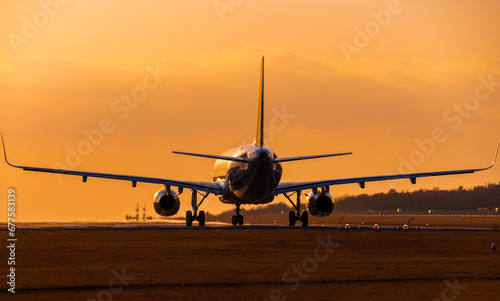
[{"x": 249, "y": 174}]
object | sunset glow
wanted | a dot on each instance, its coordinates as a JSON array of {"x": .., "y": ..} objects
[{"x": 116, "y": 86}]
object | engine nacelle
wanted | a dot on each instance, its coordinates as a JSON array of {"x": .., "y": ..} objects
[
  {"x": 166, "y": 202},
  {"x": 320, "y": 204}
]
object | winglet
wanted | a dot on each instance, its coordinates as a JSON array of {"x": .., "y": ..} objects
[
  {"x": 496, "y": 155},
  {"x": 259, "y": 136},
  {"x": 4, "y": 152},
  {"x": 494, "y": 160}
]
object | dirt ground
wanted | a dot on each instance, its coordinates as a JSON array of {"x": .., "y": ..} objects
[{"x": 248, "y": 263}]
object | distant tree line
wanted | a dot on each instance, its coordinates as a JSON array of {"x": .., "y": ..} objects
[{"x": 487, "y": 196}]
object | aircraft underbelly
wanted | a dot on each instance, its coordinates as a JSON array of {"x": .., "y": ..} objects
[{"x": 254, "y": 185}]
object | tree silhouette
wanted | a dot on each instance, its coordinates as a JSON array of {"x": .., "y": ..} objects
[{"x": 487, "y": 196}]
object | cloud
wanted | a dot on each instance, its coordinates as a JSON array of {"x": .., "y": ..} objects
[{"x": 50, "y": 92}]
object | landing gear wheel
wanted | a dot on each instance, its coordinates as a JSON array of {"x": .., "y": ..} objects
[
  {"x": 304, "y": 218},
  {"x": 189, "y": 218},
  {"x": 238, "y": 218},
  {"x": 291, "y": 218},
  {"x": 201, "y": 218}
]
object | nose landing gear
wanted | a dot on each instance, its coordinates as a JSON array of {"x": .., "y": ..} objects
[{"x": 238, "y": 218}]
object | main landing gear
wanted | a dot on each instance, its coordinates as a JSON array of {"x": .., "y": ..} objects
[
  {"x": 238, "y": 218},
  {"x": 200, "y": 217},
  {"x": 295, "y": 216}
]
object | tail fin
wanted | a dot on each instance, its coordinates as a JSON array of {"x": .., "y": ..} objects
[{"x": 259, "y": 136}]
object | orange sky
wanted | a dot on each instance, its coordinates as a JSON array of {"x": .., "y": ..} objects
[{"x": 417, "y": 67}]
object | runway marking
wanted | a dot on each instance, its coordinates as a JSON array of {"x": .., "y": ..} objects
[
  {"x": 217, "y": 226},
  {"x": 76, "y": 227}
]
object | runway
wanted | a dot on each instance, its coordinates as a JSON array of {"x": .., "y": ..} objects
[
  {"x": 180, "y": 226},
  {"x": 168, "y": 261}
]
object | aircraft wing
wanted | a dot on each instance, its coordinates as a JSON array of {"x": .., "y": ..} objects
[
  {"x": 298, "y": 186},
  {"x": 200, "y": 186}
]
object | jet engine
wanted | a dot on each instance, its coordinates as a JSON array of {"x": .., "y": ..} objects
[
  {"x": 166, "y": 202},
  {"x": 320, "y": 202}
]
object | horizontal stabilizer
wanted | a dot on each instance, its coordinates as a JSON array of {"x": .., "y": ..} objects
[
  {"x": 278, "y": 160},
  {"x": 228, "y": 158}
]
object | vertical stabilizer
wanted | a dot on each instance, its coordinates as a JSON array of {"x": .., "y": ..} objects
[{"x": 259, "y": 136}]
